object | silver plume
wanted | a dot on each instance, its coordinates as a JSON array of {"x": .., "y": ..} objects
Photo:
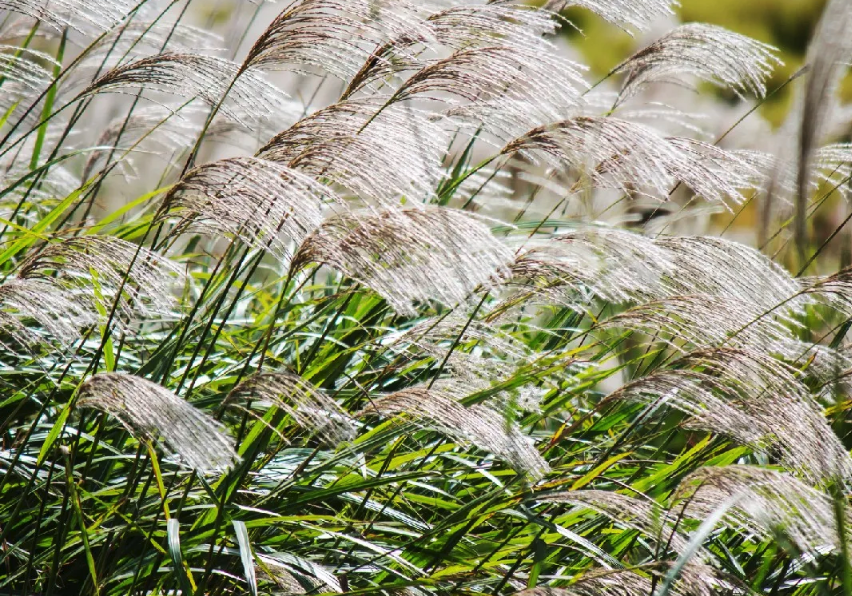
[{"x": 152, "y": 412}]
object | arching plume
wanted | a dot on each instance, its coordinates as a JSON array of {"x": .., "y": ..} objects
[
  {"x": 718, "y": 267},
  {"x": 706, "y": 52},
  {"x": 831, "y": 165},
  {"x": 623, "y": 267},
  {"x": 265, "y": 204},
  {"x": 700, "y": 321},
  {"x": 458, "y": 28},
  {"x": 764, "y": 502},
  {"x": 337, "y": 36},
  {"x": 753, "y": 398},
  {"x": 485, "y": 428},
  {"x": 632, "y": 152},
  {"x": 83, "y": 15},
  {"x": 617, "y": 153},
  {"x": 614, "y": 265},
  {"x": 410, "y": 256},
  {"x": 505, "y": 89},
  {"x": 139, "y": 281},
  {"x": 25, "y": 77},
  {"x": 250, "y": 98},
  {"x": 58, "y": 314},
  {"x": 625, "y": 13},
  {"x": 377, "y": 153},
  {"x": 286, "y": 570},
  {"x": 152, "y": 412},
  {"x": 509, "y": 24},
  {"x": 307, "y": 405},
  {"x": 704, "y": 321},
  {"x": 712, "y": 172},
  {"x": 279, "y": 574}
]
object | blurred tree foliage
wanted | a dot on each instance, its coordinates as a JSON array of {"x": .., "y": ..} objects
[{"x": 786, "y": 24}]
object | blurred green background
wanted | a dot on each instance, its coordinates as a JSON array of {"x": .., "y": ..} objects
[{"x": 785, "y": 24}]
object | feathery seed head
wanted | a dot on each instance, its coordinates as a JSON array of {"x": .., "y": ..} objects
[
  {"x": 754, "y": 398},
  {"x": 706, "y": 52},
  {"x": 152, "y": 412},
  {"x": 59, "y": 314},
  {"x": 139, "y": 281},
  {"x": 410, "y": 256},
  {"x": 378, "y": 153},
  {"x": 266, "y": 204},
  {"x": 766, "y": 501},
  {"x": 625, "y": 13},
  {"x": 82, "y": 15},
  {"x": 250, "y": 100},
  {"x": 485, "y": 428},
  {"x": 337, "y": 36},
  {"x": 307, "y": 405}
]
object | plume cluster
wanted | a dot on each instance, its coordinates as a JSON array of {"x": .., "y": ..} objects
[
  {"x": 71, "y": 284},
  {"x": 142, "y": 36},
  {"x": 407, "y": 122},
  {"x": 833, "y": 289},
  {"x": 618, "y": 583}
]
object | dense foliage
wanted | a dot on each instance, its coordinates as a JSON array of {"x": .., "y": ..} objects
[{"x": 427, "y": 324}]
